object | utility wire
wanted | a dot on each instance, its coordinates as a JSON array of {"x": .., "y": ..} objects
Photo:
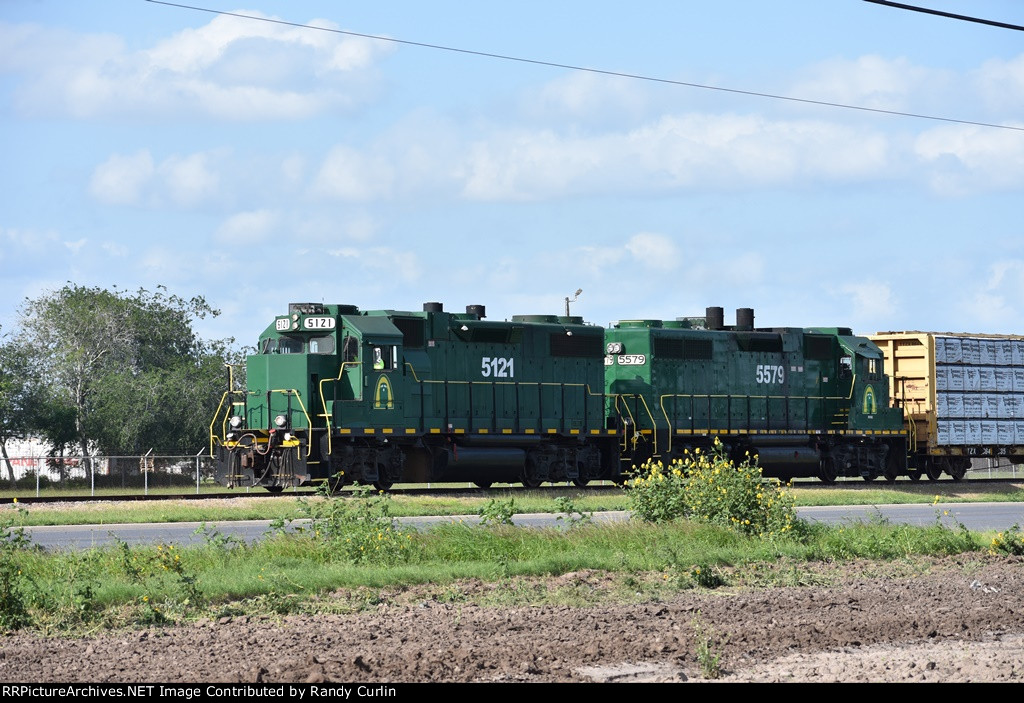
[
  {"x": 570, "y": 67},
  {"x": 915, "y": 8}
]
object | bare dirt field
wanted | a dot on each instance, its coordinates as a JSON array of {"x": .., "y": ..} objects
[{"x": 955, "y": 619}]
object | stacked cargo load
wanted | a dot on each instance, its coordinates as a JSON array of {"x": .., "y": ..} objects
[{"x": 962, "y": 395}]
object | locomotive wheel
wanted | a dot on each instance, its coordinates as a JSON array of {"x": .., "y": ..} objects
[
  {"x": 482, "y": 484},
  {"x": 274, "y": 489},
  {"x": 383, "y": 485},
  {"x": 827, "y": 471},
  {"x": 531, "y": 482},
  {"x": 956, "y": 469},
  {"x": 933, "y": 470},
  {"x": 914, "y": 474},
  {"x": 580, "y": 482},
  {"x": 892, "y": 467}
]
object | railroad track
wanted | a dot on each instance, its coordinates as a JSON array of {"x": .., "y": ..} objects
[{"x": 260, "y": 493}]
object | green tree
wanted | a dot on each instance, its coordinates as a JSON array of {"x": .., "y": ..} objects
[
  {"x": 129, "y": 365},
  {"x": 21, "y": 396}
]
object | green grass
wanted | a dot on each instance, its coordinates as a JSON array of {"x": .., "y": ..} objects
[
  {"x": 878, "y": 493},
  {"x": 261, "y": 507},
  {"x": 131, "y": 586}
]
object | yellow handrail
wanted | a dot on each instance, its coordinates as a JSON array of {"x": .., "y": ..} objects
[
  {"x": 302, "y": 406},
  {"x": 636, "y": 426},
  {"x": 323, "y": 400},
  {"x": 214, "y": 420},
  {"x": 668, "y": 421},
  {"x": 231, "y": 390}
]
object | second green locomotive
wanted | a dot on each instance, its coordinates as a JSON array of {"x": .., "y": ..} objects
[{"x": 806, "y": 402}]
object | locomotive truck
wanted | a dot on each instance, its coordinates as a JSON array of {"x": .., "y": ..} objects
[{"x": 335, "y": 394}]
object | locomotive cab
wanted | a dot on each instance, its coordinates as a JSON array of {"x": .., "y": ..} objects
[{"x": 267, "y": 433}]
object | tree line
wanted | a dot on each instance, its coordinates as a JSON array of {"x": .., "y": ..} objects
[{"x": 91, "y": 371}]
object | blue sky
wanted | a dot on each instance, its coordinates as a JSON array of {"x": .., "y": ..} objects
[{"x": 259, "y": 164}]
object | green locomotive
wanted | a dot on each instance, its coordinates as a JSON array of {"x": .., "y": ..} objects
[
  {"x": 806, "y": 402},
  {"x": 377, "y": 397},
  {"x": 382, "y": 396}
]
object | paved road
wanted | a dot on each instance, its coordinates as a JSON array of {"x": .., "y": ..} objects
[{"x": 974, "y": 516}]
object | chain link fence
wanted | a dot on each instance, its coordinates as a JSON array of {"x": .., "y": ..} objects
[
  {"x": 143, "y": 475},
  {"x": 108, "y": 475}
]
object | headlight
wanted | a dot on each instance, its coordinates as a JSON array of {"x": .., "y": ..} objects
[
  {"x": 280, "y": 421},
  {"x": 235, "y": 421}
]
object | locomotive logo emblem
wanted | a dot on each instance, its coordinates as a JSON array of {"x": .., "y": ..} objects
[
  {"x": 383, "y": 398},
  {"x": 870, "y": 405}
]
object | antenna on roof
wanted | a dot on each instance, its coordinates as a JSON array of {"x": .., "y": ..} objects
[{"x": 567, "y": 301}]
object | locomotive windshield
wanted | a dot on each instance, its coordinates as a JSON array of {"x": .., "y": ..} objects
[
  {"x": 282, "y": 345},
  {"x": 295, "y": 345},
  {"x": 321, "y": 345}
]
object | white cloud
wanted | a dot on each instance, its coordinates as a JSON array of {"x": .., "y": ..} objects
[
  {"x": 76, "y": 246},
  {"x": 393, "y": 264},
  {"x": 189, "y": 180},
  {"x": 654, "y": 250},
  {"x": 966, "y": 159},
  {"x": 994, "y": 304},
  {"x": 230, "y": 68},
  {"x": 1001, "y": 84},
  {"x": 869, "y": 81},
  {"x": 350, "y": 175},
  {"x": 114, "y": 249},
  {"x": 293, "y": 169},
  {"x": 361, "y": 228},
  {"x": 121, "y": 180},
  {"x": 594, "y": 260},
  {"x": 871, "y": 300},
  {"x": 19, "y": 247},
  {"x": 18, "y": 240},
  {"x": 164, "y": 266},
  {"x": 586, "y": 97},
  {"x": 248, "y": 228},
  {"x": 674, "y": 152},
  {"x": 646, "y": 249},
  {"x": 135, "y": 179}
]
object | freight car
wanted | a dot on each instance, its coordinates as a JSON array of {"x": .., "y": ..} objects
[
  {"x": 962, "y": 397},
  {"x": 375, "y": 397}
]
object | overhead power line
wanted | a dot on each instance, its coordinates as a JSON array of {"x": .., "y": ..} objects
[
  {"x": 618, "y": 74},
  {"x": 940, "y": 13}
]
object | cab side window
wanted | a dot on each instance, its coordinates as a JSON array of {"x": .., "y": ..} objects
[
  {"x": 384, "y": 357},
  {"x": 350, "y": 349},
  {"x": 873, "y": 369}
]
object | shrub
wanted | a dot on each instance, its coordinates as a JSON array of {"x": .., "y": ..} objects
[
  {"x": 709, "y": 487},
  {"x": 497, "y": 512},
  {"x": 13, "y": 585},
  {"x": 358, "y": 528},
  {"x": 1009, "y": 541}
]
